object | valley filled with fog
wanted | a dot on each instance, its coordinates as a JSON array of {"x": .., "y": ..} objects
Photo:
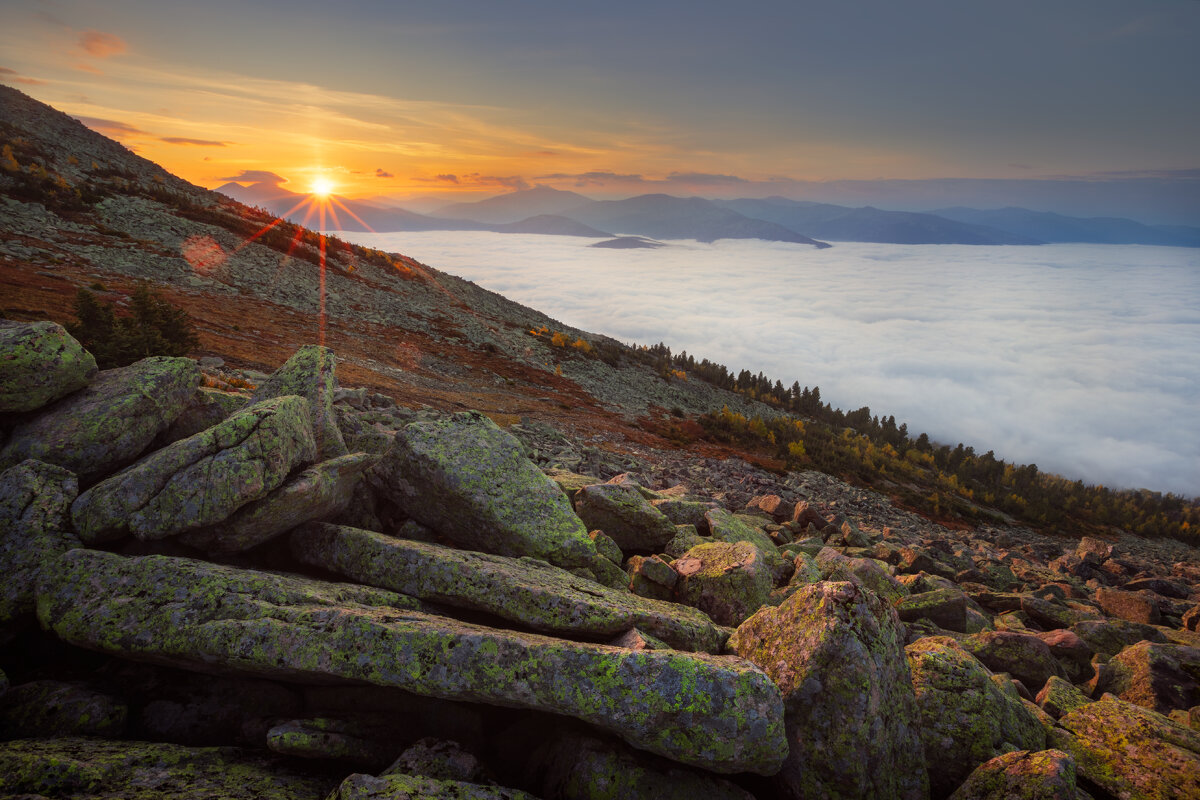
[{"x": 1083, "y": 359}]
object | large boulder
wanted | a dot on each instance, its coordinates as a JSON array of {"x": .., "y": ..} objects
[
  {"x": 1024, "y": 656},
  {"x": 203, "y": 479},
  {"x": 836, "y": 651},
  {"x": 108, "y": 424},
  {"x": 525, "y": 591},
  {"x": 625, "y": 515},
  {"x": 727, "y": 527},
  {"x": 35, "y": 502},
  {"x": 1131, "y": 606},
  {"x": 946, "y": 608},
  {"x": 39, "y": 363},
  {"x": 1046, "y": 775},
  {"x": 469, "y": 480},
  {"x": 311, "y": 373},
  {"x": 728, "y": 581},
  {"x": 1162, "y": 677},
  {"x": 319, "y": 492},
  {"x": 1111, "y": 636},
  {"x": 965, "y": 717},
  {"x": 1131, "y": 752},
  {"x": 715, "y": 712}
]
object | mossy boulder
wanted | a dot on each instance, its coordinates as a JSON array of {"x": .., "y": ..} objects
[
  {"x": 330, "y": 738},
  {"x": 49, "y": 708},
  {"x": 108, "y": 424},
  {"x": 1059, "y": 697},
  {"x": 836, "y": 651},
  {"x": 98, "y": 769},
  {"x": 1131, "y": 752},
  {"x": 682, "y": 511},
  {"x": 207, "y": 407},
  {"x": 728, "y": 581},
  {"x": 686, "y": 537},
  {"x": 1111, "y": 636},
  {"x": 1132, "y": 606},
  {"x": 715, "y": 712},
  {"x": 727, "y": 527},
  {"x": 622, "y": 512},
  {"x": 1162, "y": 677},
  {"x": 946, "y": 608},
  {"x": 866, "y": 572},
  {"x": 1023, "y": 656},
  {"x": 39, "y": 363},
  {"x": 526, "y": 591},
  {"x": 415, "y": 787},
  {"x": 1073, "y": 654},
  {"x": 469, "y": 480},
  {"x": 319, "y": 492},
  {"x": 965, "y": 718},
  {"x": 35, "y": 502},
  {"x": 311, "y": 373},
  {"x": 203, "y": 479},
  {"x": 443, "y": 759},
  {"x": 651, "y": 576},
  {"x": 1044, "y": 775}
]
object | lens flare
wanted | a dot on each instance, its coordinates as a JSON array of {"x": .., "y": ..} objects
[{"x": 322, "y": 187}]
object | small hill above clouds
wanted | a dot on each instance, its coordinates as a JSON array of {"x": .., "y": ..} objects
[{"x": 516, "y": 206}]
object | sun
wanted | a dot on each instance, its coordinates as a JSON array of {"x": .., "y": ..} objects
[{"x": 322, "y": 187}]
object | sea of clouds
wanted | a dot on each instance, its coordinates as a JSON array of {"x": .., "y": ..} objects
[{"x": 1083, "y": 359}]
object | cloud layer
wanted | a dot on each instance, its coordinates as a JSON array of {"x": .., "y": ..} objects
[{"x": 1083, "y": 359}]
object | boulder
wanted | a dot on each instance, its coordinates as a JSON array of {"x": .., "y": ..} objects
[
  {"x": 1059, "y": 697},
  {"x": 1045, "y": 775},
  {"x": 108, "y": 424},
  {"x": 685, "y": 512},
  {"x": 728, "y": 581},
  {"x": 624, "y": 514},
  {"x": 311, "y": 373},
  {"x": 946, "y": 608},
  {"x": 1093, "y": 551},
  {"x": 206, "y": 408},
  {"x": 1162, "y": 677},
  {"x": 1131, "y": 752},
  {"x": 1111, "y": 636},
  {"x": 323, "y": 490},
  {"x": 352, "y": 740},
  {"x": 525, "y": 591},
  {"x": 866, "y": 572},
  {"x": 438, "y": 758},
  {"x": 35, "y": 501},
  {"x": 1053, "y": 614},
  {"x": 714, "y": 712},
  {"x": 650, "y": 576},
  {"x": 1137, "y": 607},
  {"x": 965, "y": 718},
  {"x": 1023, "y": 656},
  {"x": 771, "y": 505},
  {"x": 726, "y": 527},
  {"x": 685, "y": 539},
  {"x": 1074, "y": 655},
  {"x": 414, "y": 787},
  {"x": 203, "y": 479},
  {"x": 836, "y": 651},
  {"x": 39, "y": 363},
  {"x": 50, "y": 708},
  {"x": 469, "y": 480},
  {"x": 606, "y": 547}
]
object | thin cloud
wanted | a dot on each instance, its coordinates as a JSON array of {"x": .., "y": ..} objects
[
  {"x": 255, "y": 176},
  {"x": 380, "y": 172},
  {"x": 196, "y": 142},
  {"x": 12, "y": 76},
  {"x": 102, "y": 45},
  {"x": 112, "y": 128}
]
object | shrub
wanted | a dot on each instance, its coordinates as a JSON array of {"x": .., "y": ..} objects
[{"x": 153, "y": 328}]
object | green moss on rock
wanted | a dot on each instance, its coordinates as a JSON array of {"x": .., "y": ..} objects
[
  {"x": 728, "y": 581},
  {"x": 39, "y": 363}
]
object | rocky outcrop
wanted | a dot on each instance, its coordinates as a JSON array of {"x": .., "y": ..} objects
[
  {"x": 469, "y": 480},
  {"x": 722, "y": 714},
  {"x": 836, "y": 651},
  {"x": 39, "y": 363},
  {"x": 310, "y": 373}
]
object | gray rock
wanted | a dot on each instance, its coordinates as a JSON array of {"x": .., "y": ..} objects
[
  {"x": 1111, "y": 636},
  {"x": 203, "y": 479},
  {"x": 946, "y": 608},
  {"x": 311, "y": 373},
  {"x": 469, "y": 480},
  {"x": 438, "y": 758},
  {"x": 727, "y": 527},
  {"x": 836, "y": 651},
  {"x": 714, "y": 712},
  {"x": 39, "y": 363},
  {"x": 1027, "y": 658},
  {"x": 728, "y": 581},
  {"x": 206, "y": 408},
  {"x": 108, "y": 424},
  {"x": 319, "y": 492},
  {"x": 330, "y": 738},
  {"x": 50, "y": 708},
  {"x": 1058, "y": 697},
  {"x": 526, "y": 591},
  {"x": 416, "y": 787},
  {"x": 1162, "y": 677},
  {"x": 622, "y": 512}
]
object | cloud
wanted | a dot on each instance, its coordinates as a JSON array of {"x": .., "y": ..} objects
[
  {"x": 381, "y": 173},
  {"x": 704, "y": 179},
  {"x": 12, "y": 76},
  {"x": 478, "y": 179},
  {"x": 197, "y": 142},
  {"x": 1083, "y": 359},
  {"x": 112, "y": 128},
  {"x": 102, "y": 45},
  {"x": 256, "y": 176}
]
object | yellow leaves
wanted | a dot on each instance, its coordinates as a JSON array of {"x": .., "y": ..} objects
[
  {"x": 583, "y": 346},
  {"x": 559, "y": 339},
  {"x": 8, "y": 161}
]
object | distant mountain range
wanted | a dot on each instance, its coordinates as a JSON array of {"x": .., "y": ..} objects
[{"x": 544, "y": 210}]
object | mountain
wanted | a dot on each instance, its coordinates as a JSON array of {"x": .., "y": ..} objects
[
  {"x": 515, "y": 206},
  {"x": 550, "y": 224},
  {"x": 868, "y": 224},
  {"x": 1056, "y": 228},
  {"x": 661, "y": 216}
]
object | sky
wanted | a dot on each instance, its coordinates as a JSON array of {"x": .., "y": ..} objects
[{"x": 469, "y": 98}]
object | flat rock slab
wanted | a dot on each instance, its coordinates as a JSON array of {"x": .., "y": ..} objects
[
  {"x": 203, "y": 479},
  {"x": 105, "y": 426},
  {"x": 469, "y": 480},
  {"x": 39, "y": 363},
  {"x": 716, "y": 712}
]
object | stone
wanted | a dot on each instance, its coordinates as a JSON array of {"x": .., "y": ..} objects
[
  {"x": 322, "y": 491},
  {"x": 35, "y": 502},
  {"x": 622, "y": 512},
  {"x": 1052, "y": 614},
  {"x": 1074, "y": 655},
  {"x": 98, "y": 769},
  {"x": 866, "y": 572},
  {"x": 726, "y": 527},
  {"x": 569, "y": 482},
  {"x": 727, "y": 581},
  {"x": 836, "y": 651},
  {"x": 1093, "y": 551},
  {"x": 771, "y": 505},
  {"x": 1132, "y": 606},
  {"x": 1131, "y": 752},
  {"x": 525, "y": 591},
  {"x": 108, "y": 424},
  {"x": 685, "y": 512},
  {"x": 440, "y": 759},
  {"x": 1059, "y": 697},
  {"x": 1111, "y": 636},
  {"x": 469, "y": 480},
  {"x": 414, "y": 787},
  {"x": 650, "y": 576},
  {"x": 311, "y": 373},
  {"x": 1160, "y": 586},
  {"x": 715, "y": 712},
  {"x": 965, "y": 718},
  {"x": 685, "y": 539},
  {"x": 1027, "y": 658},
  {"x": 333, "y": 739},
  {"x": 1162, "y": 677},
  {"x": 207, "y": 407},
  {"x": 946, "y": 608},
  {"x": 50, "y": 708},
  {"x": 39, "y": 363},
  {"x": 606, "y": 573},
  {"x": 1045, "y": 775},
  {"x": 633, "y": 639},
  {"x": 1191, "y": 618},
  {"x": 606, "y": 547},
  {"x": 200, "y": 480}
]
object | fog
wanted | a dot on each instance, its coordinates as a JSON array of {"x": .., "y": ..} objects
[{"x": 1083, "y": 359}]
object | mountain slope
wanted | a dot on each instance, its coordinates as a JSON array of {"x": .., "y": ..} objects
[
  {"x": 1056, "y": 228},
  {"x": 515, "y": 206}
]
